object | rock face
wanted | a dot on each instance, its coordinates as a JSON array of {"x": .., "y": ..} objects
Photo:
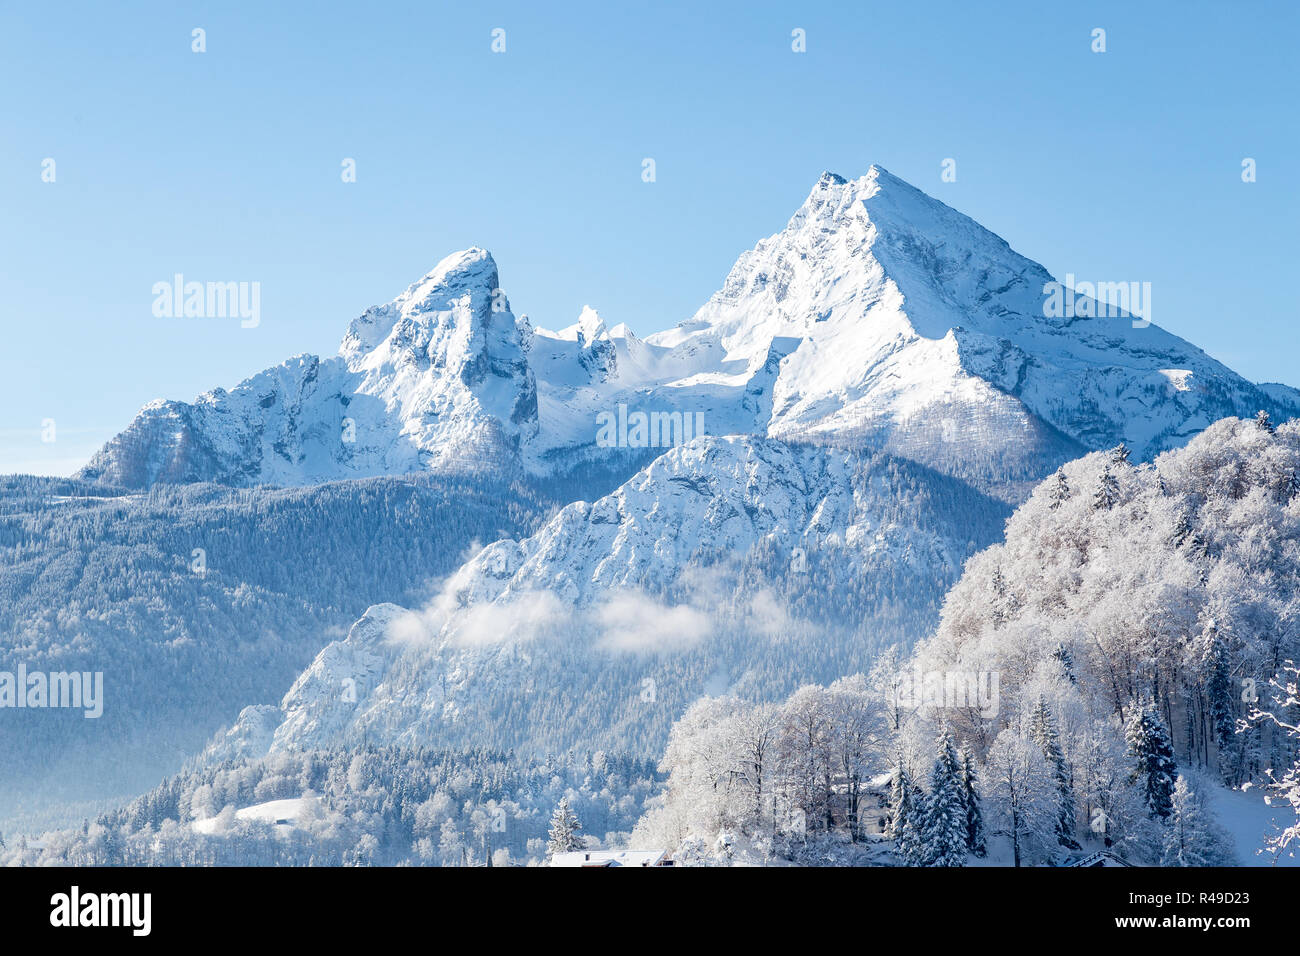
[{"x": 878, "y": 316}]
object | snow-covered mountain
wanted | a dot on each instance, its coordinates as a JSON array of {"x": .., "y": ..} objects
[
  {"x": 878, "y": 316},
  {"x": 435, "y": 380},
  {"x": 726, "y": 563}
]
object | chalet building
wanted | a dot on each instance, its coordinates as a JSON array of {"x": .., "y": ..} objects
[
  {"x": 873, "y": 804},
  {"x": 610, "y": 858},
  {"x": 1099, "y": 859}
]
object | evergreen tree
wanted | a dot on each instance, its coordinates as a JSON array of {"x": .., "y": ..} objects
[
  {"x": 1153, "y": 757},
  {"x": 1005, "y": 603},
  {"x": 943, "y": 829},
  {"x": 1060, "y": 492},
  {"x": 1119, "y": 454},
  {"x": 1042, "y": 728},
  {"x": 1191, "y": 839},
  {"x": 999, "y": 587},
  {"x": 1107, "y": 493},
  {"x": 565, "y": 834},
  {"x": 975, "y": 840},
  {"x": 1263, "y": 422},
  {"x": 906, "y": 817},
  {"x": 1220, "y": 699},
  {"x": 1288, "y": 486},
  {"x": 1063, "y": 657}
]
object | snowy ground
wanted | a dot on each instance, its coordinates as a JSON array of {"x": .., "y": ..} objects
[
  {"x": 1243, "y": 814},
  {"x": 1250, "y": 821}
]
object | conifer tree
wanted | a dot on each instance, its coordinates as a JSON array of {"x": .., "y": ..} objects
[
  {"x": 1152, "y": 754},
  {"x": 1288, "y": 486},
  {"x": 975, "y": 839},
  {"x": 565, "y": 834},
  {"x": 943, "y": 828},
  {"x": 899, "y": 803},
  {"x": 1191, "y": 839},
  {"x": 907, "y": 804},
  {"x": 1263, "y": 422},
  {"x": 1063, "y": 657},
  {"x": 1042, "y": 728},
  {"x": 1060, "y": 492},
  {"x": 1107, "y": 493},
  {"x": 1218, "y": 687},
  {"x": 1119, "y": 454},
  {"x": 1005, "y": 603}
]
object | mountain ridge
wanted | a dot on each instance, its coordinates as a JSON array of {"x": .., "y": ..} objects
[{"x": 877, "y": 314}]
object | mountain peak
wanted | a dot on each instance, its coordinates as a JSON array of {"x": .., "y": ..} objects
[
  {"x": 590, "y": 326},
  {"x": 470, "y": 272},
  {"x": 878, "y": 313}
]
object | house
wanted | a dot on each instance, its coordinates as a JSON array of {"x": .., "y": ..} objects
[
  {"x": 613, "y": 858},
  {"x": 1100, "y": 858},
  {"x": 873, "y": 804}
]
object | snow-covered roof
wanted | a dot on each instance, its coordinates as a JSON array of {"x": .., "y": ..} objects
[
  {"x": 611, "y": 858},
  {"x": 1100, "y": 858}
]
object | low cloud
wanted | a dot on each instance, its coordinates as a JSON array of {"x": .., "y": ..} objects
[
  {"x": 522, "y": 617},
  {"x": 622, "y": 621},
  {"x": 633, "y": 622}
]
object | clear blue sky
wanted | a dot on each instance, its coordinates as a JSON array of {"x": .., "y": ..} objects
[{"x": 226, "y": 166}]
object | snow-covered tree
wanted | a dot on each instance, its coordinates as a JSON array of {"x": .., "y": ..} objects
[
  {"x": 1042, "y": 728},
  {"x": 1065, "y": 659},
  {"x": 1288, "y": 486},
  {"x": 1107, "y": 494},
  {"x": 1021, "y": 796},
  {"x": 1152, "y": 754},
  {"x": 884, "y": 681},
  {"x": 565, "y": 833},
  {"x": 975, "y": 839},
  {"x": 907, "y": 817},
  {"x": 1286, "y": 787},
  {"x": 1263, "y": 422},
  {"x": 1220, "y": 695},
  {"x": 806, "y": 746},
  {"x": 1192, "y": 838},
  {"x": 1004, "y": 602},
  {"x": 753, "y": 735},
  {"x": 1060, "y": 489},
  {"x": 857, "y": 736},
  {"x": 943, "y": 816}
]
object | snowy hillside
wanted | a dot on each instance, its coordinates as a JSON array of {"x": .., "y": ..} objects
[
  {"x": 878, "y": 317},
  {"x": 725, "y": 563},
  {"x": 1147, "y": 602},
  {"x": 1099, "y": 683},
  {"x": 195, "y": 601}
]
